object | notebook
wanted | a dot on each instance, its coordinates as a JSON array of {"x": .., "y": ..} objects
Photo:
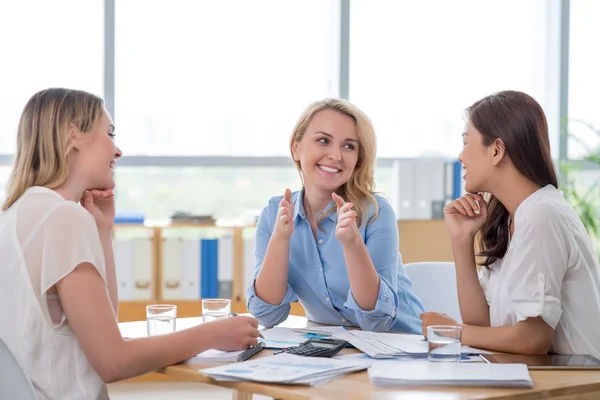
[
  {"x": 218, "y": 356},
  {"x": 450, "y": 374},
  {"x": 215, "y": 356}
]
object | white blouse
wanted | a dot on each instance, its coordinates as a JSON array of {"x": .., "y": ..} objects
[
  {"x": 550, "y": 270},
  {"x": 43, "y": 238}
]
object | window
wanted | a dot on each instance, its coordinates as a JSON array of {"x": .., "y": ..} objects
[
  {"x": 584, "y": 102},
  {"x": 416, "y": 65},
  {"x": 584, "y": 78},
  {"x": 222, "y": 192},
  {"x": 219, "y": 77},
  {"x": 44, "y": 44}
]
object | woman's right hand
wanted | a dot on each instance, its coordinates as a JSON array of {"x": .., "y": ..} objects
[
  {"x": 284, "y": 224},
  {"x": 466, "y": 215},
  {"x": 235, "y": 333}
]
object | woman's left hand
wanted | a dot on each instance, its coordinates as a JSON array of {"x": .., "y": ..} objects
[
  {"x": 346, "y": 230},
  {"x": 101, "y": 204},
  {"x": 432, "y": 318}
]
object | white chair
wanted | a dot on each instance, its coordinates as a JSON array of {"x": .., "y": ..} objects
[
  {"x": 14, "y": 384},
  {"x": 435, "y": 284}
]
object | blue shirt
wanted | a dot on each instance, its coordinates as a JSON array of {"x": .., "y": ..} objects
[{"x": 317, "y": 275}]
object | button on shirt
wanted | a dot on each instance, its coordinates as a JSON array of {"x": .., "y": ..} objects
[{"x": 317, "y": 275}]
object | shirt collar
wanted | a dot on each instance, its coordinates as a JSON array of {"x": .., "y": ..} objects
[
  {"x": 299, "y": 205},
  {"x": 299, "y": 208}
]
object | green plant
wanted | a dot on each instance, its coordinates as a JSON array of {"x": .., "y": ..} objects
[{"x": 585, "y": 199}]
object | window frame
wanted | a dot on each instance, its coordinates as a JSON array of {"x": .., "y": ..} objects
[{"x": 559, "y": 29}]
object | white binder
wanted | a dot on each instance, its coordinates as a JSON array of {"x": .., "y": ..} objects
[
  {"x": 123, "y": 250},
  {"x": 191, "y": 277},
  {"x": 225, "y": 266},
  {"x": 248, "y": 263},
  {"x": 404, "y": 189},
  {"x": 142, "y": 269},
  {"x": 172, "y": 273},
  {"x": 429, "y": 186}
]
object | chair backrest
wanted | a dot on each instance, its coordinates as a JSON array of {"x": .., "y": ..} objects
[
  {"x": 435, "y": 284},
  {"x": 14, "y": 384}
]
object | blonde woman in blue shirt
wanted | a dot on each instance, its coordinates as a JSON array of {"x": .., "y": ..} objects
[{"x": 333, "y": 246}]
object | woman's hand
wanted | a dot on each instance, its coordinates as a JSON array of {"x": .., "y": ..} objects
[
  {"x": 101, "y": 204},
  {"x": 466, "y": 215},
  {"x": 284, "y": 224},
  {"x": 432, "y": 318},
  {"x": 346, "y": 230},
  {"x": 235, "y": 333}
]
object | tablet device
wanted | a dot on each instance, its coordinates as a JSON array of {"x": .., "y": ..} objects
[{"x": 548, "y": 361}]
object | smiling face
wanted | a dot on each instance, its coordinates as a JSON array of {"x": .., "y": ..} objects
[
  {"x": 96, "y": 154},
  {"x": 477, "y": 160},
  {"x": 328, "y": 150}
]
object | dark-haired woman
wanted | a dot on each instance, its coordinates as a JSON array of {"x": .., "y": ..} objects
[{"x": 538, "y": 290}]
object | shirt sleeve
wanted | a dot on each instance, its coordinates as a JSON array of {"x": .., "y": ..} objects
[
  {"x": 267, "y": 314},
  {"x": 541, "y": 257},
  {"x": 484, "y": 281},
  {"x": 70, "y": 238},
  {"x": 395, "y": 300}
]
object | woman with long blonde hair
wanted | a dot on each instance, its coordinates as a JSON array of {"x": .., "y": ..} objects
[
  {"x": 333, "y": 246},
  {"x": 58, "y": 281}
]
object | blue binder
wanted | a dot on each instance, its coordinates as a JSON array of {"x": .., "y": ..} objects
[
  {"x": 129, "y": 217},
  {"x": 209, "y": 268},
  {"x": 457, "y": 180}
]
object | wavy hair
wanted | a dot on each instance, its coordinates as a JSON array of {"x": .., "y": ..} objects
[{"x": 359, "y": 188}]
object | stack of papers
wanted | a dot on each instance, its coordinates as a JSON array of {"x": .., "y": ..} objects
[
  {"x": 281, "y": 338},
  {"x": 216, "y": 356},
  {"x": 450, "y": 374},
  {"x": 390, "y": 345},
  {"x": 373, "y": 344},
  {"x": 406, "y": 358},
  {"x": 286, "y": 369}
]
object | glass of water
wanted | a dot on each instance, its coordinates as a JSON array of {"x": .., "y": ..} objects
[
  {"x": 213, "y": 309},
  {"x": 161, "y": 319},
  {"x": 444, "y": 343}
]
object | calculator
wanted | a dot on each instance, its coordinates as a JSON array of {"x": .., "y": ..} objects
[
  {"x": 323, "y": 347},
  {"x": 251, "y": 352}
]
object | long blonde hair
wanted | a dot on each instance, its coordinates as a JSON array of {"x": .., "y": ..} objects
[
  {"x": 42, "y": 138},
  {"x": 360, "y": 186}
]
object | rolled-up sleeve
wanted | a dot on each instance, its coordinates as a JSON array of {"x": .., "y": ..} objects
[
  {"x": 381, "y": 239},
  {"x": 484, "y": 281},
  {"x": 542, "y": 258},
  {"x": 379, "y": 319},
  {"x": 267, "y": 314}
]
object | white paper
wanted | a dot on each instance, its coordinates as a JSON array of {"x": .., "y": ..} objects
[
  {"x": 406, "y": 358},
  {"x": 390, "y": 345},
  {"x": 450, "y": 374},
  {"x": 286, "y": 368},
  {"x": 370, "y": 344},
  {"x": 215, "y": 356},
  {"x": 281, "y": 338},
  {"x": 472, "y": 350}
]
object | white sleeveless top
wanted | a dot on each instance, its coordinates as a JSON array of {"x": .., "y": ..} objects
[
  {"x": 43, "y": 237},
  {"x": 550, "y": 270}
]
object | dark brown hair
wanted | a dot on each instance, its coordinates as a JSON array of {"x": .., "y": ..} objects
[{"x": 519, "y": 121}]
